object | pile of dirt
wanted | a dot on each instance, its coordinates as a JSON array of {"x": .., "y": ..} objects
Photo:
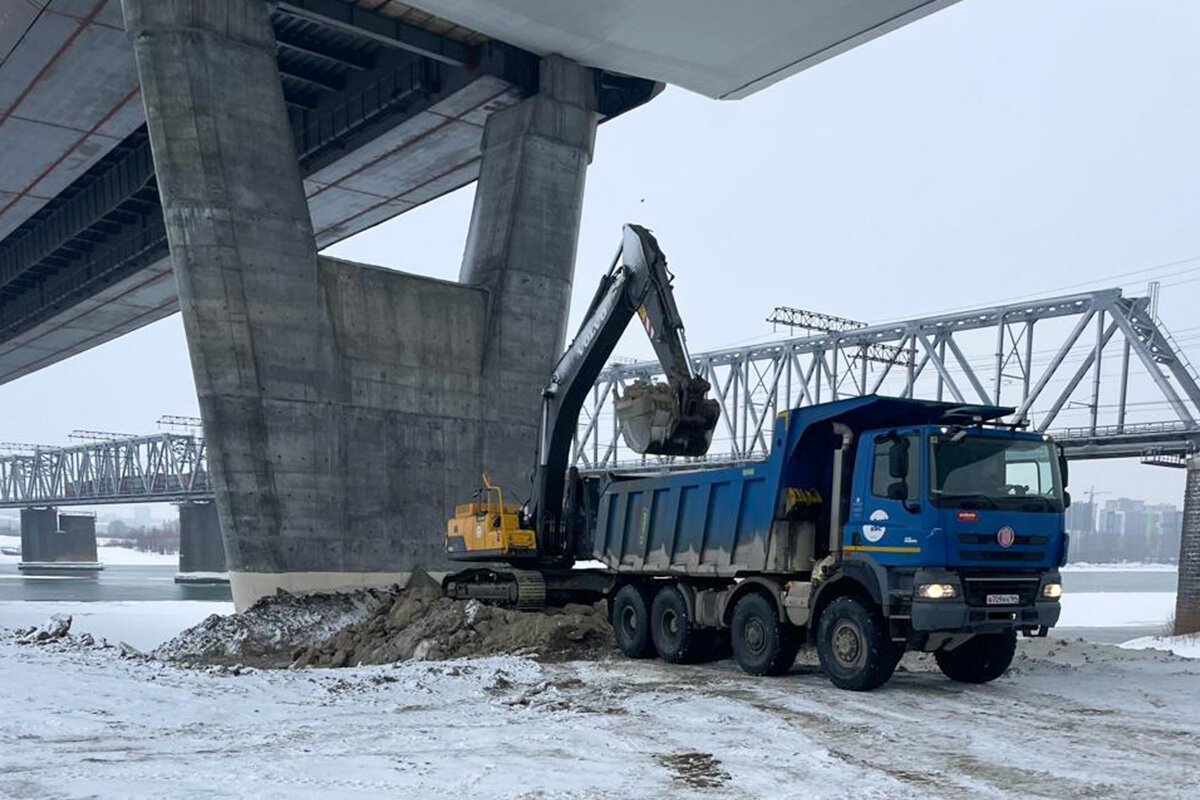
[
  {"x": 271, "y": 631},
  {"x": 424, "y": 625},
  {"x": 385, "y": 626}
]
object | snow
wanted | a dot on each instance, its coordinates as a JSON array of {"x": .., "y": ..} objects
[
  {"x": 1116, "y": 609},
  {"x": 145, "y": 625},
  {"x": 1187, "y": 646},
  {"x": 1070, "y": 720}
]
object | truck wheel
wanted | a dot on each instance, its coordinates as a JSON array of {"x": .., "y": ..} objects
[
  {"x": 980, "y": 659},
  {"x": 631, "y": 621},
  {"x": 675, "y": 638},
  {"x": 762, "y": 645},
  {"x": 854, "y": 647}
]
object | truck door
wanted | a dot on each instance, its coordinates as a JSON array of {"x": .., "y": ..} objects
[{"x": 885, "y": 518}]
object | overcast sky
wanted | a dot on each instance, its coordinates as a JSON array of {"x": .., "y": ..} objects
[{"x": 998, "y": 149}]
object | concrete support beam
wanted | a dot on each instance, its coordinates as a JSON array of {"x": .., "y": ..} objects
[
  {"x": 54, "y": 542},
  {"x": 1187, "y": 600},
  {"x": 347, "y": 408},
  {"x": 521, "y": 247},
  {"x": 201, "y": 550}
]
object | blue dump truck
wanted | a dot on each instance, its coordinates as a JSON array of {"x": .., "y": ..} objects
[{"x": 875, "y": 526}]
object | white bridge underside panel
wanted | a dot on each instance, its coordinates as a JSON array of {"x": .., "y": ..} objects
[{"x": 722, "y": 49}]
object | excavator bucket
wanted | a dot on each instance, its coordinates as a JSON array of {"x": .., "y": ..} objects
[{"x": 657, "y": 421}]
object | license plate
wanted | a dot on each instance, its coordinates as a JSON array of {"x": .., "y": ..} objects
[{"x": 1003, "y": 599}]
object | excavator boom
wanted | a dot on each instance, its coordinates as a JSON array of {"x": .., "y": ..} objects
[{"x": 675, "y": 418}]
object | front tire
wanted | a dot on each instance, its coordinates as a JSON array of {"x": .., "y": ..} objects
[
  {"x": 675, "y": 636},
  {"x": 980, "y": 659},
  {"x": 630, "y": 618},
  {"x": 762, "y": 645},
  {"x": 853, "y": 644}
]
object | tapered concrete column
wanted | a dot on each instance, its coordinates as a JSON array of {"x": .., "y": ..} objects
[
  {"x": 201, "y": 551},
  {"x": 1187, "y": 600},
  {"x": 521, "y": 247},
  {"x": 246, "y": 263},
  {"x": 54, "y": 542}
]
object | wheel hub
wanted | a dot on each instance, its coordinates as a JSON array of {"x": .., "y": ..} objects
[
  {"x": 847, "y": 643},
  {"x": 755, "y": 636},
  {"x": 629, "y": 619}
]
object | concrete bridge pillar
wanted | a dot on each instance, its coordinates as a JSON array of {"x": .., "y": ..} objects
[
  {"x": 54, "y": 542},
  {"x": 201, "y": 551},
  {"x": 1187, "y": 600},
  {"x": 521, "y": 247},
  {"x": 348, "y": 408}
]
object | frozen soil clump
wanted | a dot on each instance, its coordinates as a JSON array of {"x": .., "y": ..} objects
[
  {"x": 385, "y": 626},
  {"x": 423, "y": 625}
]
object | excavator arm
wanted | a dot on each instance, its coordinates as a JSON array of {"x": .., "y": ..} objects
[{"x": 675, "y": 418}]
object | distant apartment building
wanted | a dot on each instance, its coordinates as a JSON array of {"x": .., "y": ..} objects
[{"x": 1124, "y": 530}]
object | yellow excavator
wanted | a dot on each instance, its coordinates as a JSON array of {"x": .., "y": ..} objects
[{"x": 541, "y": 539}]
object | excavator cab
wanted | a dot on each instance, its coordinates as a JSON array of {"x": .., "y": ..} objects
[{"x": 658, "y": 420}]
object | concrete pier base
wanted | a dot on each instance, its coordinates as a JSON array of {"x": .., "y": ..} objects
[
  {"x": 1187, "y": 599},
  {"x": 346, "y": 408},
  {"x": 54, "y": 542},
  {"x": 201, "y": 550}
]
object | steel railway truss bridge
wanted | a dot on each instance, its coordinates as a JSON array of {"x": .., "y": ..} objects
[
  {"x": 1096, "y": 370},
  {"x": 106, "y": 468}
]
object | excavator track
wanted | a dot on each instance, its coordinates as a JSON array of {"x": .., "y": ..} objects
[{"x": 513, "y": 588}]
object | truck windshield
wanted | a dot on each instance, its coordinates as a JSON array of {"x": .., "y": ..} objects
[{"x": 994, "y": 472}]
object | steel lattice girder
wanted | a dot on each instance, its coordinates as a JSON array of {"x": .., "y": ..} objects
[
  {"x": 753, "y": 383},
  {"x": 160, "y": 468}
]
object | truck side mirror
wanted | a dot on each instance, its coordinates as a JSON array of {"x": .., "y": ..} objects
[
  {"x": 1063, "y": 469},
  {"x": 1066, "y": 499},
  {"x": 898, "y": 459}
]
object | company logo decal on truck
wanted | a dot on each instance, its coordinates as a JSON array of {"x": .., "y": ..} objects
[{"x": 874, "y": 533}]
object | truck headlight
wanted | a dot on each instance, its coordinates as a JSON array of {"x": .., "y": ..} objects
[
  {"x": 937, "y": 591},
  {"x": 1052, "y": 591}
]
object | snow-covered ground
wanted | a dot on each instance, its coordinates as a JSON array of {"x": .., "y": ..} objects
[
  {"x": 1072, "y": 720},
  {"x": 1187, "y": 646}
]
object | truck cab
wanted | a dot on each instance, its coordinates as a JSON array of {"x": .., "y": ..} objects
[{"x": 962, "y": 526}]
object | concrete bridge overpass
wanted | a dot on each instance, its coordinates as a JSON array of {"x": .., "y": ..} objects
[{"x": 345, "y": 406}]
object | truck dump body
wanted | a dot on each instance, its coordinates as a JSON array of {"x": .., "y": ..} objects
[
  {"x": 711, "y": 522},
  {"x": 726, "y": 521}
]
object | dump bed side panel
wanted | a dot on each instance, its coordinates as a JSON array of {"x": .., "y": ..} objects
[{"x": 712, "y": 522}]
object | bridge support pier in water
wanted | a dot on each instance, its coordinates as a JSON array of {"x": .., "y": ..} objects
[
  {"x": 347, "y": 408},
  {"x": 201, "y": 551},
  {"x": 52, "y": 541},
  {"x": 1187, "y": 600}
]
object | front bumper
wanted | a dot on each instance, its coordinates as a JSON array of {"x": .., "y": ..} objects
[{"x": 968, "y": 613}]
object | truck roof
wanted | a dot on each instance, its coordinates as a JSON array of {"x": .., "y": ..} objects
[{"x": 875, "y": 411}]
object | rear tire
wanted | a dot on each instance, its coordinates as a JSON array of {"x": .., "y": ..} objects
[
  {"x": 630, "y": 619},
  {"x": 981, "y": 659},
  {"x": 762, "y": 644},
  {"x": 675, "y": 636},
  {"x": 855, "y": 649}
]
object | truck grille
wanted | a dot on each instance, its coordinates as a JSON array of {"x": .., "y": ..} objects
[
  {"x": 976, "y": 590},
  {"x": 1008, "y": 556},
  {"x": 989, "y": 538}
]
